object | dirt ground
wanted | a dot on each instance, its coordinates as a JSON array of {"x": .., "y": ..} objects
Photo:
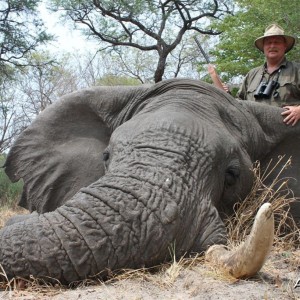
[{"x": 193, "y": 280}]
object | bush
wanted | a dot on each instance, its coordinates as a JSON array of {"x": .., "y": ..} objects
[{"x": 9, "y": 192}]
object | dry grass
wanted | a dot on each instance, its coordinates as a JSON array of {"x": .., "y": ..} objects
[
  {"x": 29, "y": 288},
  {"x": 286, "y": 232},
  {"x": 8, "y": 212},
  {"x": 239, "y": 226}
]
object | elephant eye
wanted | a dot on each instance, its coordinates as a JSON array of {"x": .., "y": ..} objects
[
  {"x": 105, "y": 155},
  {"x": 231, "y": 176}
]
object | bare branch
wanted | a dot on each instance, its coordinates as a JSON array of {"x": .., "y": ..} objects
[{"x": 146, "y": 25}]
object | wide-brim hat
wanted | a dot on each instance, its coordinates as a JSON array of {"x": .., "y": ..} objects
[{"x": 275, "y": 30}]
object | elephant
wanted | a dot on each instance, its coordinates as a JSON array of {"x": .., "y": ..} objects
[{"x": 113, "y": 176}]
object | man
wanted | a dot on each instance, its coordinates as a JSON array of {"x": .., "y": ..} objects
[{"x": 277, "y": 82}]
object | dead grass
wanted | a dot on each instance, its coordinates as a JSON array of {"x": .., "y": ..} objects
[
  {"x": 279, "y": 195},
  {"x": 239, "y": 226},
  {"x": 29, "y": 288},
  {"x": 8, "y": 212}
]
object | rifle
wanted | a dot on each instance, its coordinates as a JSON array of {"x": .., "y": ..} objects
[{"x": 215, "y": 77}]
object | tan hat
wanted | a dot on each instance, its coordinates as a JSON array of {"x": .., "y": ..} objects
[{"x": 275, "y": 30}]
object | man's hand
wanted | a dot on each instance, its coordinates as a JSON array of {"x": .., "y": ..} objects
[
  {"x": 212, "y": 70},
  {"x": 216, "y": 79},
  {"x": 291, "y": 115}
]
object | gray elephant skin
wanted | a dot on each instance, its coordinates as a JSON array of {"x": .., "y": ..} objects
[{"x": 116, "y": 176}]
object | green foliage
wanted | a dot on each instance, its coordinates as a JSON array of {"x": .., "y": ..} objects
[
  {"x": 21, "y": 31},
  {"x": 236, "y": 54},
  {"x": 9, "y": 192},
  {"x": 112, "y": 80}
]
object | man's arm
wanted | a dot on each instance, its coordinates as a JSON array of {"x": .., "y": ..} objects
[
  {"x": 242, "y": 92},
  {"x": 216, "y": 79}
]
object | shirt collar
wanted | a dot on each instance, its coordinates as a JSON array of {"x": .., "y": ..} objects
[{"x": 282, "y": 65}]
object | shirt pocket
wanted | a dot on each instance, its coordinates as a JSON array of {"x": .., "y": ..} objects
[
  {"x": 253, "y": 88},
  {"x": 289, "y": 91}
]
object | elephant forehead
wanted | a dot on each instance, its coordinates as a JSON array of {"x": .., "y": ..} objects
[
  {"x": 160, "y": 137},
  {"x": 182, "y": 137},
  {"x": 181, "y": 124}
]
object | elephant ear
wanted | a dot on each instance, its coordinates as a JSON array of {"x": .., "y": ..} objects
[
  {"x": 62, "y": 150},
  {"x": 276, "y": 140},
  {"x": 287, "y": 150},
  {"x": 281, "y": 144},
  {"x": 284, "y": 161}
]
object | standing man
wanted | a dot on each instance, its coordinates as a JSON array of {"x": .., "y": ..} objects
[{"x": 277, "y": 82}]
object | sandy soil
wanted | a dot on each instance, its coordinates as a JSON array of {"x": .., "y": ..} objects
[{"x": 276, "y": 280}]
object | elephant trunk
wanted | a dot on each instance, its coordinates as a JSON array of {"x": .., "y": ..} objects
[
  {"x": 249, "y": 257},
  {"x": 117, "y": 222}
]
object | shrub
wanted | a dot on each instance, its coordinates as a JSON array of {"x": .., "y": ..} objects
[{"x": 9, "y": 192}]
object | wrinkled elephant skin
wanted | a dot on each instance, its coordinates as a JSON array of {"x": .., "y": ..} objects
[{"x": 118, "y": 175}]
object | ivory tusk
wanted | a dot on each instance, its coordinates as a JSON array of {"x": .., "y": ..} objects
[{"x": 248, "y": 258}]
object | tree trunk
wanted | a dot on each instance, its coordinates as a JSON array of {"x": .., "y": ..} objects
[{"x": 160, "y": 69}]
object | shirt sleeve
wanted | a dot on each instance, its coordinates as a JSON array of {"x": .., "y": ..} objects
[{"x": 242, "y": 92}]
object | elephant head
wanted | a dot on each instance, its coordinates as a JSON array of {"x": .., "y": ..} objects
[{"x": 118, "y": 174}]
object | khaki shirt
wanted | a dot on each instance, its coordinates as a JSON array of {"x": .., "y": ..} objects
[{"x": 288, "y": 91}]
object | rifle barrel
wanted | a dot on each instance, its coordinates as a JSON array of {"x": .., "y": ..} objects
[
  {"x": 202, "y": 51},
  {"x": 215, "y": 78}
]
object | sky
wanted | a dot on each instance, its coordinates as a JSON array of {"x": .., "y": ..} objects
[{"x": 67, "y": 38}]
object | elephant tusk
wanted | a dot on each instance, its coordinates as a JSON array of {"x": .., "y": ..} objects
[{"x": 249, "y": 257}]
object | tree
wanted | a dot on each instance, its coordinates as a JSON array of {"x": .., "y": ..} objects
[
  {"x": 45, "y": 80},
  {"x": 11, "y": 123},
  {"x": 145, "y": 25},
  {"x": 30, "y": 90},
  {"x": 112, "y": 80},
  {"x": 235, "y": 53},
  {"x": 21, "y": 31}
]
